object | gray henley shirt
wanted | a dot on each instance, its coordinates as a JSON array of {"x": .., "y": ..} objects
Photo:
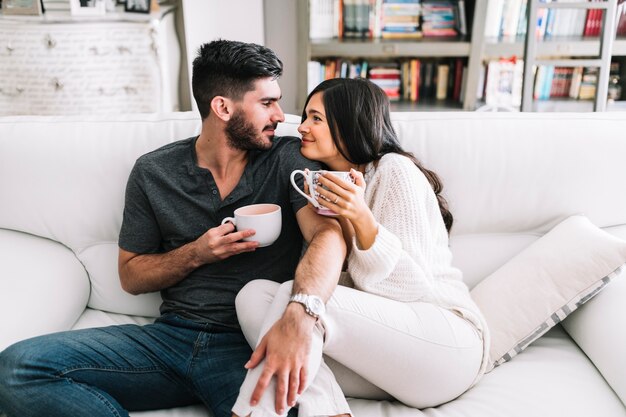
[{"x": 171, "y": 201}]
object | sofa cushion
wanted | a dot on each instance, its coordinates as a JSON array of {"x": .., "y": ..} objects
[
  {"x": 77, "y": 168},
  {"x": 568, "y": 385},
  {"x": 66, "y": 177},
  {"x": 43, "y": 287},
  {"x": 598, "y": 328},
  {"x": 468, "y": 252},
  {"x": 521, "y": 171},
  {"x": 552, "y": 378},
  {"x": 545, "y": 282},
  {"x": 98, "y": 318},
  {"x": 106, "y": 291}
]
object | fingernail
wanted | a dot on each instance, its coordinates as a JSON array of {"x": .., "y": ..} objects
[
  {"x": 247, "y": 364},
  {"x": 281, "y": 411}
]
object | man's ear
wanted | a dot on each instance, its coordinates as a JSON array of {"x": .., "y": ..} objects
[{"x": 222, "y": 107}]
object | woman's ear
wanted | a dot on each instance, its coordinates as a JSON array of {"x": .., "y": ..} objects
[{"x": 222, "y": 107}]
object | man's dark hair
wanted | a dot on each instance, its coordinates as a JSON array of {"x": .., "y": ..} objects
[{"x": 229, "y": 69}]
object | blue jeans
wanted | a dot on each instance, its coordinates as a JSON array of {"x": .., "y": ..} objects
[{"x": 112, "y": 370}]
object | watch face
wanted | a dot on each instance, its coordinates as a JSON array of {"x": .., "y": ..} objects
[{"x": 316, "y": 305}]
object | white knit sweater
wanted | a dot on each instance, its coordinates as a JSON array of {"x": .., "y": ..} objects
[{"x": 410, "y": 259}]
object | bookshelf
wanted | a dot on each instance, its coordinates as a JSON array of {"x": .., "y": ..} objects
[
  {"x": 567, "y": 43},
  {"x": 436, "y": 50},
  {"x": 476, "y": 49},
  {"x": 566, "y": 66}
]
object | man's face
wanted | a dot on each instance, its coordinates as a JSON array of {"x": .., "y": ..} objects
[{"x": 255, "y": 117}]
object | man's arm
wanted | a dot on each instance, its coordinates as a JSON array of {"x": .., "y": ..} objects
[
  {"x": 141, "y": 273},
  {"x": 319, "y": 268},
  {"x": 286, "y": 345}
]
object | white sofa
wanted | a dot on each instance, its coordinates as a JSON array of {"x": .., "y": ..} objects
[{"x": 509, "y": 178}]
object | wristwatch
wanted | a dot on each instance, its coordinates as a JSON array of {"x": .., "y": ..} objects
[{"x": 313, "y": 305}]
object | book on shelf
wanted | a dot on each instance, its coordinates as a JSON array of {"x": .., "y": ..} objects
[
  {"x": 461, "y": 17},
  {"x": 493, "y": 18},
  {"x": 568, "y": 22},
  {"x": 504, "y": 78},
  {"x": 593, "y": 22},
  {"x": 426, "y": 78},
  {"x": 588, "y": 83},
  {"x": 460, "y": 69},
  {"x": 507, "y": 18},
  {"x": 387, "y": 19},
  {"x": 387, "y": 75},
  {"x": 415, "y": 80},
  {"x": 561, "y": 82},
  {"x": 439, "y": 18},
  {"x": 400, "y": 19},
  {"x": 577, "y": 77},
  {"x": 522, "y": 22},
  {"x": 408, "y": 79},
  {"x": 543, "y": 82},
  {"x": 443, "y": 73},
  {"x": 620, "y": 29},
  {"x": 323, "y": 19},
  {"x": 510, "y": 17},
  {"x": 314, "y": 75},
  {"x": 356, "y": 19}
]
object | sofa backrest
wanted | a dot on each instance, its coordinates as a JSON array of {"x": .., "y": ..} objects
[{"x": 508, "y": 179}]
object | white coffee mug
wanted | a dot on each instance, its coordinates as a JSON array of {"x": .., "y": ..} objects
[
  {"x": 311, "y": 179},
  {"x": 264, "y": 219}
]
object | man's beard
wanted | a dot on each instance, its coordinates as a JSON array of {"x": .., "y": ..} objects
[{"x": 241, "y": 133}]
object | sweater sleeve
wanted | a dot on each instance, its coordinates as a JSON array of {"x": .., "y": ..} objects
[{"x": 411, "y": 242}]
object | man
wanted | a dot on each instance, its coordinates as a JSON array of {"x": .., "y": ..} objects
[{"x": 171, "y": 241}]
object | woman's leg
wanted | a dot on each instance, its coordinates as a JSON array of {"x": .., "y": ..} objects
[
  {"x": 421, "y": 354},
  {"x": 259, "y": 305},
  {"x": 253, "y": 304},
  {"x": 426, "y": 355}
]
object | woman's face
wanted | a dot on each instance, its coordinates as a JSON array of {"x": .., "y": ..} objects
[{"x": 317, "y": 143}]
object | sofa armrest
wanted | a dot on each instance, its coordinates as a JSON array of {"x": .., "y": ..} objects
[
  {"x": 598, "y": 329},
  {"x": 43, "y": 287}
]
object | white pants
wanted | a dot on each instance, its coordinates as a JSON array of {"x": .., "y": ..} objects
[{"x": 374, "y": 347}]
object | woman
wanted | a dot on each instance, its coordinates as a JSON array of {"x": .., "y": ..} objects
[{"x": 408, "y": 326}]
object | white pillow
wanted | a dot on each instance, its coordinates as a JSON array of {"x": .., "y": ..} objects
[{"x": 545, "y": 282}]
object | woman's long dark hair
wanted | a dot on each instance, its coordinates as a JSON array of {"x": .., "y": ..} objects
[{"x": 357, "y": 112}]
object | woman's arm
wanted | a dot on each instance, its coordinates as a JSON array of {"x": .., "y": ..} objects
[{"x": 410, "y": 247}]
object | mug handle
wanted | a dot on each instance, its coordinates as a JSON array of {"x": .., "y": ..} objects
[
  {"x": 229, "y": 219},
  {"x": 292, "y": 178}
]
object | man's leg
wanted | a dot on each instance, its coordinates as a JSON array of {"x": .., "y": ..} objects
[
  {"x": 217, "y": 369},
  {"x": 95, "y": 372}
]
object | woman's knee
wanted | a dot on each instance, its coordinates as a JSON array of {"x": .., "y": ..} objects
[
  {"x": 252, "y": 294},
  {"x": 286, "y": 288},
  {"x": 252, "y": 304}
]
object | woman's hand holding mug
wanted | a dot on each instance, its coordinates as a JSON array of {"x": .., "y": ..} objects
[
  {"x": 345, "y": 198},
  {"x": 314, "y": 188},
  {"x": 342, "y": 194}
]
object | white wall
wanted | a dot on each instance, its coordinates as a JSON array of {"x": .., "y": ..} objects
[
  {"x": 207, "y": 20},
  {"x": 267, "y": 22},
  {"x": 281, "y": 36}
]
